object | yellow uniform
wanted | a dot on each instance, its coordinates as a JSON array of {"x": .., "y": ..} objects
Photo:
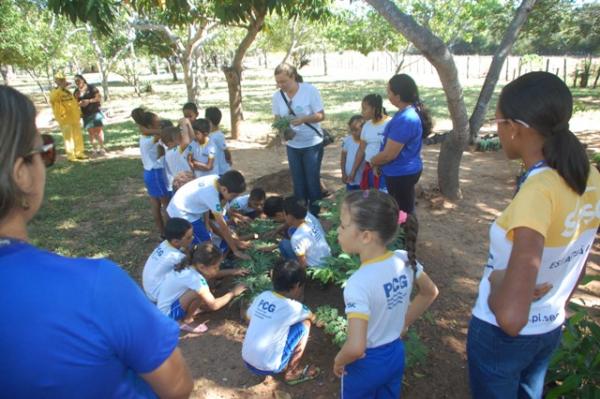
[{"x": 67, "y": 113}]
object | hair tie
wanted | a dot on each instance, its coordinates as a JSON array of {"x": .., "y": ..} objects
[{"x": 402, "y": 216}]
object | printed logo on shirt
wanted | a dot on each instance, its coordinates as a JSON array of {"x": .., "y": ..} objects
[
  {"x": 264, "y": 309},
  {"x": 351, "y": 305},
  {"x": 490, "y": 262},
  {"x": 219, "y": 208},
  {"x": 571, "y": 257},
  {"x": 584, "y": 213},
  {"x": 395, "y": 291}
]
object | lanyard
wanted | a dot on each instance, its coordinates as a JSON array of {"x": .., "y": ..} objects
[{"x": 524, "y": 176}]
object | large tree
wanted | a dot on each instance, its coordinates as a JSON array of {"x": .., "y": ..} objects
[{"x": 435, "y": 50}]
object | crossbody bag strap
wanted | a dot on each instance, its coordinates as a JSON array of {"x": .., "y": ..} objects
[{"x": 293, "y": 113}]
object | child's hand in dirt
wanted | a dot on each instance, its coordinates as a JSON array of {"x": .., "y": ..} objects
[
  {"x": 241, "y": 272},
  {"x": 238, "y": 289},
  {"x": 244, "y": 244}
]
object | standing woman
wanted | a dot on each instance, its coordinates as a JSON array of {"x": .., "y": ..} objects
[
  {"x": 399, "y": 159},
  {"x": 302, "y": 103},
  {"x": 538, "y": 245},
  {"x": 89, "y": 100},
  {"x": 71, "y": 327}
]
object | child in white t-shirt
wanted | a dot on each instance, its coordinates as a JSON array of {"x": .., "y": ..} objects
[
  {"x": 377, "y": 296},
  {"x": 185, "y": 290},
  {"x": 223, "y": 156},
  {"x": 307, "y": 239},
  {"x": 248, "y": 206},
  {"x": 279, "y": 327},
  {"x": 169, "y": 253},
  {"x": 176, "y": 153},
  {"x": 201, "y": 158},
  {"x": 350, "y": 147},
  {"x": 371, "y": 138}
]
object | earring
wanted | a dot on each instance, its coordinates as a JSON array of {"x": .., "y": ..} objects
[{"x": 25, "y": 204}]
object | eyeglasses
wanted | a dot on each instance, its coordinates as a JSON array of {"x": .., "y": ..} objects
[
  {"x": 46, "y": 150},
  {"x": 505, "y": 120}
]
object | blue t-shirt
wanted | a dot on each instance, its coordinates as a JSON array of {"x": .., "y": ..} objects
[
  {"x": 406, "y": 128},
  {"x": 76, "y": 328}
]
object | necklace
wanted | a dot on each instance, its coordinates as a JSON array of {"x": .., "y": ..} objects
[{"x": 524, "y": 176}]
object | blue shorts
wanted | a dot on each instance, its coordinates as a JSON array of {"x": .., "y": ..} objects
[
  {"x": 352, "y": 187},
  {"x": 377, "y": 375},
  {"x": 93, "y": 120},
  {"x": 200, "y": 232},
  {"x": 296, "y": 333},
  {"x": 176, "y": 312},
  {"x": 155, "y": 183}
]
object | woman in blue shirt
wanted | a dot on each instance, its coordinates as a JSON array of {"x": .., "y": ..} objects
[
  {"x": 72, "y": 327},
  {"x": 400, "y": 157}
]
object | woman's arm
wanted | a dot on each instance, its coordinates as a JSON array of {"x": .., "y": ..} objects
[
  {"x": 354, "y": 347},
  {"x": 172, "y": 379},
  {"x": 343, "y": 166},
  {"x": 314, "y": 118},
  {"x": 510, "y": 297},
  {"x": 390, "y": 152}
]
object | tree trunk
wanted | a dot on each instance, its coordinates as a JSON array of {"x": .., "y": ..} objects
[
  {"x": 597, "y": 77},
  {"x": 104, "y": 74},
  {"x": 233, "y": 73},
  {"x": 438, "y": 54},
  {"x": 132, "y": 61},
  {"x": 4, "y": 72},
  {"x": 173, "y": 68},
  {"x": 188, "y": 79},
  {"x": 37, "y": 81},
  {"x": 292, "y": 41},
  {"x": 325, "y": 63},
  {"x": 493, "y": 74}
]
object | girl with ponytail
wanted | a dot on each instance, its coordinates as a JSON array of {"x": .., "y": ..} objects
[
  {"x": 399, "y": 159},
  {"x": 377, "y": 296},
  {"x": 538, "y": 245}
]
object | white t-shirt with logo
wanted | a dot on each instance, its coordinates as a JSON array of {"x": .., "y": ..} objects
[
  {"x": 176, "y": 161},
  {"x": 203, "y": 153},
  {"x": 350, "y": 147},
  {"x": 568, "y": 223},
  {"x": 176, "y": 284},
  {"x": 306, "y": 101},
  {"x": 149, "y": 153},
  {"x": 161, "y": 261},
  {"x": 312, "y": 221},
  {"x": 218, "y": 138},
  {"x": 372, "y": 135},
  {"x": 240, "y": 204},
  {"x": 309, "y": 241},
  {"x": 271, "y": 316},
  {"x": 379, "y": 292},
  {"x": 195, "y": 198}
]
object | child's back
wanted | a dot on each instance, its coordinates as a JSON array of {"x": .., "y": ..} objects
[
  {"x": 271, "y": 316},
  {"x": 175, "y": 284},
  {"x": 176, "y": 162},
  {"x": 309, "y": 241},
  {"x": 195, "y": 198},
  {"x": 220, "y": 143},
  {"x": 162, "y": 260}
]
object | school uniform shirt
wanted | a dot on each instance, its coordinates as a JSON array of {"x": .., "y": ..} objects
[
  {"x": 195, "y": 198},
  {"x": 240, "y": 204},
  {"x": 568, "y": 223},
  {"x": 406, "y": 128},
  {"x": 218, "y": 138},
  {"x": 161, "y": 261},
  {"x": 372, "y": 135},
  {"x": 350, "y": 147},
  {"x": 306, "y": 101},
  {"x": 202, "y": 153},
  {"x": 149, "y": 153},
  {"x": 379, "y": 292},
  {"x": 176, "y": 284},
  {"x": 309, "y": 241},
  {"x": 176, "y": 161},
  {"x": 312, "y": 221},
  {"x": 271, "y": 316},
  {"x": 76, "y": 328}
]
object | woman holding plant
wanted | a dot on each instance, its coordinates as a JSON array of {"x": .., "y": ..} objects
[
  {"x": 538, "y": 245},
  {"x": 298, "y": 111}
]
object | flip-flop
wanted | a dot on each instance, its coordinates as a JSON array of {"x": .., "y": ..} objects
[
  {"x": 304, "y": 375},
  {"x": 200, "y": 328}
]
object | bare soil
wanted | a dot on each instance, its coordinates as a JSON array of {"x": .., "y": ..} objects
[{"x": 452, "y": 247}]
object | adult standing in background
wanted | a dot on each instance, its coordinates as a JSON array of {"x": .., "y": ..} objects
[
  {"x": 72, "y": 327},
  {"x": 302, "y": 103},
  {"x": 89, "y": 100},
  {"x": 67, "y": 113},
  {"x": 400, "y": 156}
]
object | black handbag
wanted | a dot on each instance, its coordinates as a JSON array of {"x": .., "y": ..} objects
[{"x": 327, "y": 137}]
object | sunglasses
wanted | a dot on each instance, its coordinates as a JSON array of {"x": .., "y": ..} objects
[
  {"x": 504, "y": 120},
  {"x": 46, "y": 151}
]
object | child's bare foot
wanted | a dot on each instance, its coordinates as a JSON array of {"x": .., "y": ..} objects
[{"x": 297, "y": 376}]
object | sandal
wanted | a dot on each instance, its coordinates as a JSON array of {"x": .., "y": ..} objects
[
  {"x": 305, "y": 375},
  {"x": 199, "y": 329}
]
